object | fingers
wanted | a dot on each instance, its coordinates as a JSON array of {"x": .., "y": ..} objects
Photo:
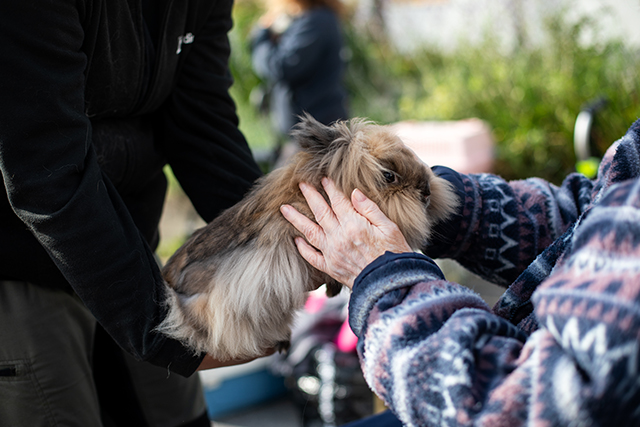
[
  {"x": 312, "y": 231},
  {"x": 310, "y": 254},
  {"x": 340, "y": 204},
  {"x": 394, "y": 240},
  {"x": 359, "y": 203},
  {"x": 368, "y": 209},
  {"x": 323, "y": 213},
  {"x": 348, "y": 235}
]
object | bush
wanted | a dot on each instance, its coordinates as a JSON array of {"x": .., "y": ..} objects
[
  {"x": 530, "y": 97},
  {"x": 255, "y": 125}
]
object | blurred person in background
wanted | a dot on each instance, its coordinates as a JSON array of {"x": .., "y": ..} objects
[{"x": 298, "y": 50}]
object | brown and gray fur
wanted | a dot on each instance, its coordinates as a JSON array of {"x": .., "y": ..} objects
[{"x": 235, "y": 285}]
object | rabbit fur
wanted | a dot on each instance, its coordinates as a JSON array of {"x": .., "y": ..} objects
[{"x": 234, "y": 287}]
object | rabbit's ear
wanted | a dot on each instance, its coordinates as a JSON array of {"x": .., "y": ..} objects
[{"x": 312, "y": 135}]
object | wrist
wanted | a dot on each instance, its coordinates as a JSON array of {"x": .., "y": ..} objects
[{"x": 388, "y": 273}]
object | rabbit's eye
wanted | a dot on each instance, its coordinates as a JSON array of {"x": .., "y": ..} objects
[{"x": 390, "y": 177}]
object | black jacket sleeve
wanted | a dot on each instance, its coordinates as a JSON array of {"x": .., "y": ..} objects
[
  {"x": 56, "y": 188},
  {"x": 207, "y": 152}
]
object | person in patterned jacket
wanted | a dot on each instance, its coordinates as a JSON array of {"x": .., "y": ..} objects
[{"x": 560, "y": 347}]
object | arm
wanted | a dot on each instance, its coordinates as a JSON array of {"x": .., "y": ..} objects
[
  {"x": 503, "y": 226},
  {"x": 57, "y": 191},
  {"x": 437, "y": 355},
  {"x": 199, "y": 126}
]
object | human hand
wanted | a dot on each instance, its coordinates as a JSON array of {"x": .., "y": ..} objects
[
  {"x": 267, "y": 19},
  {"x": 349, "y": 235},
  {"x": 210, "y": 363}
]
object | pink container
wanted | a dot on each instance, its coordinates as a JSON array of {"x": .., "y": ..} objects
[{"x": 465, "y": 146}]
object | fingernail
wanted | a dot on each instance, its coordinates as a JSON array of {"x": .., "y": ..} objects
[
  {"x": 359, "y": 196},
  {"x": 325, "y": 181},
  {"x": 302, "y": 186},
  {"x": 285, "y": 209}
]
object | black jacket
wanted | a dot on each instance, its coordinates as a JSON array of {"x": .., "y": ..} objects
[
  {"x": 304, "y": 67},
  {"x": 90, "y": 112}
]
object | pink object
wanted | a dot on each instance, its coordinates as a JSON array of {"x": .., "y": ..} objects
[
  {"x": 314, "y": 302},
  {"x": 465, "y": 146},
  {"x": 346, "y": 340}
]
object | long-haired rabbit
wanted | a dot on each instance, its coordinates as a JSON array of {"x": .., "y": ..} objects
[{"x": 235, "y": 285}]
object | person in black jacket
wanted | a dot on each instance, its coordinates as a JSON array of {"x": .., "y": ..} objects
[
  {"x": 297, "y": 47},
  {"x": 97, "y": 96}
]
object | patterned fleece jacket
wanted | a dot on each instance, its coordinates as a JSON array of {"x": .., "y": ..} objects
[{"x": 561, "y": 346}]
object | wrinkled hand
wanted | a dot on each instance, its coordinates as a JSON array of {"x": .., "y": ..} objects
[{"x": 349, "y": 235}]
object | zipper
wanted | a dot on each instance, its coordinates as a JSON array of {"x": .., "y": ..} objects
[{"x": 186, "y": 39}]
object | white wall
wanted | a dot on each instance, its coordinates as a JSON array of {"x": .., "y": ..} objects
[{"x": 444, "y": 23}]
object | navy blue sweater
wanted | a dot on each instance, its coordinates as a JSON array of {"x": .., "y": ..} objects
[{"x": 560, "y": 348}]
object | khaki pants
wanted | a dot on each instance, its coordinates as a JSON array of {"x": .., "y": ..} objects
[{"x": 47, "y": 378}]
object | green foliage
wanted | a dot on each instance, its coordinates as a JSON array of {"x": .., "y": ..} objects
[
  {"x": 245, "y": 15},
  {"x": 530, "y": 97},
  {"x": 255, "y": 125},
  {"x": 588, "y": 167},
  {"x": 372, "y": 77}
]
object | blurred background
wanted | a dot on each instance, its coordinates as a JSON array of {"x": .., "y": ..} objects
[{"x": 525, "y": 69}]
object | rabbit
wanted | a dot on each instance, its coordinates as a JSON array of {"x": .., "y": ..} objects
[{"x": 234, "y": 287}]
